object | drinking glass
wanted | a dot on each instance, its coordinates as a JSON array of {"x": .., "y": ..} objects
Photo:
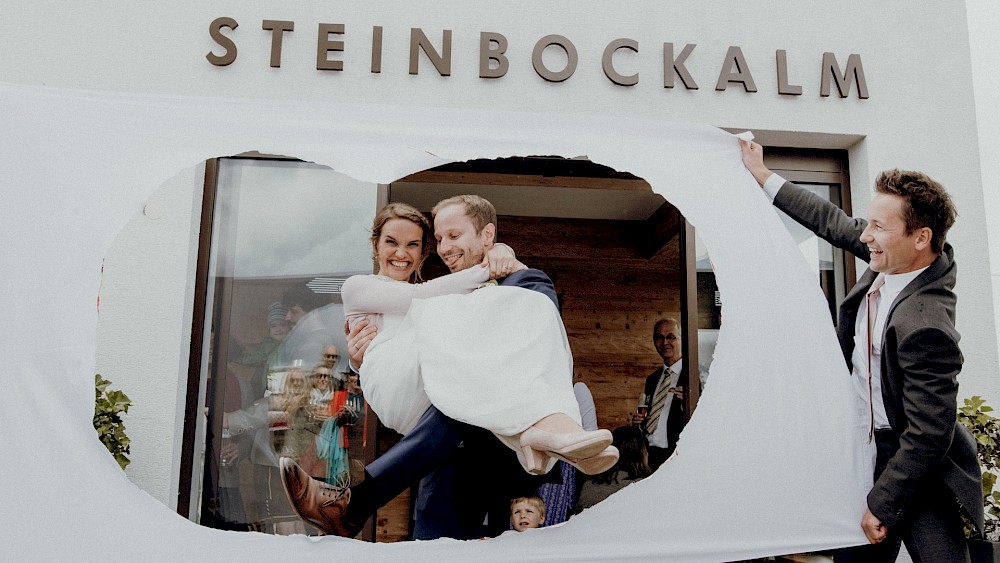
[{"x": 643, "y": 407}]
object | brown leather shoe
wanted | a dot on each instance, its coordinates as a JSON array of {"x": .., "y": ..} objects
[{"x": 322, "y": 505}]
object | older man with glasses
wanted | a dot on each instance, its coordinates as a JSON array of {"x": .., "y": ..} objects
[{"x": 661, "y": 412}]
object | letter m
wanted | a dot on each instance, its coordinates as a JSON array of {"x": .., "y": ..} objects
[{"x": 854, "y": 72}]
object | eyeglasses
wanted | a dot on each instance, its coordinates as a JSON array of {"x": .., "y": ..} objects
[
  {"x": 321, "y": 375},
  {"x": 661, "y": 338}
]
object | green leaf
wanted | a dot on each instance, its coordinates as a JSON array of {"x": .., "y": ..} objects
[
  {"x": 108, "y": 406},
  {"x": 974, "y": 415}
]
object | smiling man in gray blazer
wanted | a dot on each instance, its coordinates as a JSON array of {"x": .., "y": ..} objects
[{"x": 904, "y": 361}]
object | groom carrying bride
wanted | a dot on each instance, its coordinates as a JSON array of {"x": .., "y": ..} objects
[{"x": 460, "y": 484}]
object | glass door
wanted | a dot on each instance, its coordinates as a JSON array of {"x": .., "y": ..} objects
[{"x": 285, "y": 235}]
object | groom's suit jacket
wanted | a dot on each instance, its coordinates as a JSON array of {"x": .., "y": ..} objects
[
  {"x": 920, "y": 363},
  {"x": 535, "y": 280}
]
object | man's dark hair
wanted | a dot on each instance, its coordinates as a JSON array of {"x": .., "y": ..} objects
[
  {"x": 926, "y": 203},
  {"x": 300, "y": 294}
]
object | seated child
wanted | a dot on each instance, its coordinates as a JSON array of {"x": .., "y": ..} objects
[{"x": 527, "y": 512}]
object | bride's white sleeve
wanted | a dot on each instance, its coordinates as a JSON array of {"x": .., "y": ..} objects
[{"x": 372, "y": 294}]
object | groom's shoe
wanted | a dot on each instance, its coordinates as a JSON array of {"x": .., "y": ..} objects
[{"x": 322, "y": 505}]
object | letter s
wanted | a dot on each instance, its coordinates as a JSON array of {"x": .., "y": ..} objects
[{"x": 215, "y": 30}]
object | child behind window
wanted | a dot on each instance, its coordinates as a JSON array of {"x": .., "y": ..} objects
[{"x": 527, "y": 512}]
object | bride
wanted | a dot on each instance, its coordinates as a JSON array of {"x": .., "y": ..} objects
[{"x": 494, "y": 356}]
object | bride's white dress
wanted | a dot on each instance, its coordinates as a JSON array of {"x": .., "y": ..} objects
[{"x": 496, "y": 357}]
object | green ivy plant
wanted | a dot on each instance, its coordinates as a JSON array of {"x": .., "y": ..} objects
[
  {"x": 975, "y": 415},
  {"x": 108, "y": 408}
]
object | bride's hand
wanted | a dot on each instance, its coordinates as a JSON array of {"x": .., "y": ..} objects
[
  {"x": 501, "y": 261},
  {"x": 358, "y": 339}
]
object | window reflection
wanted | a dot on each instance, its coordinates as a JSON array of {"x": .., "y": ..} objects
[{"x": 285, "y": 236}]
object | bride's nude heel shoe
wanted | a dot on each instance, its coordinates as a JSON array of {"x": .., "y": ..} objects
[
  {"x": 533, "y": 461},
  {"x": 599, "y": 463},
  {"x": 588, "y": 451}
]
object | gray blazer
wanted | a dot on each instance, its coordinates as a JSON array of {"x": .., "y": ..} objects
[{"x": 920, "y": 365}]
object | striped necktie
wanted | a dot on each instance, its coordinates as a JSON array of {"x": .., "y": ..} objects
[
  {"x": 659, "y": 401},
  {"x": 871, "y": 302}
]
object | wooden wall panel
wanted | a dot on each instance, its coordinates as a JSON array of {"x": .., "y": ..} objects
[
  {"x": 392, "y": 521},
  {"x": 611, "y": 297}
]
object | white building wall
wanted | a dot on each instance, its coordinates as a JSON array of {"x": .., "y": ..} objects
[
  {"x": 920, "y": 115},
  {"x": 144, "y": 327},
  {"x": 984, "y": 19}
]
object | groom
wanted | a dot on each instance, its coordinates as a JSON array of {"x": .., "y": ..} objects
[{"x": 483, "y": 473}]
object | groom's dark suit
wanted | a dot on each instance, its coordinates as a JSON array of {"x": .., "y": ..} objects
[
  {"x": 926, "y": 459},
  {"x": 430, "y": 448}
]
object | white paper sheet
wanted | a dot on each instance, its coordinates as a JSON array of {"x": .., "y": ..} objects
[{"x": 771, "y": 463}]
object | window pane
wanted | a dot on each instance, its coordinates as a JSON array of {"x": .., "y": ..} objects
[
  {"x": 285, "y": 236},
  {"x": 815, "y": 250}
]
